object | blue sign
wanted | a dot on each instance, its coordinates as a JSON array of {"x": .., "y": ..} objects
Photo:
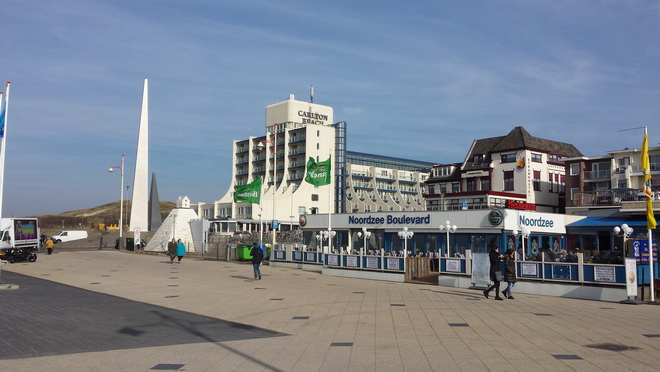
[
  {"x": 275, "y": 224},
  {"x": 641, "y": 251}
]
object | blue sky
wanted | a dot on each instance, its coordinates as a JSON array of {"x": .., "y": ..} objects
[{"x": 417, "y": 80}]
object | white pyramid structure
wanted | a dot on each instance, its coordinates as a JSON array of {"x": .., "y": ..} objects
[
  {"x": 176, "y": 225},
  {"x": 140, "y": 204}
]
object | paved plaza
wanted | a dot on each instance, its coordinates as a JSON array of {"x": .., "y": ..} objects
[{"x": 120, "y": 311}]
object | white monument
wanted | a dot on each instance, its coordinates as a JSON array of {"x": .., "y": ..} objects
[{"x": 140, "y": 204}]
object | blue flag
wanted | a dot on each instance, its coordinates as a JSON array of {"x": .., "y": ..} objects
[{"x": 2, "y": 122}]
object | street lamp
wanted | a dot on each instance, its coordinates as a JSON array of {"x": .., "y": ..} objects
[
  {"x": 405, "y": 234},
  {"x": 366, "y": 234},
  {"x": 624, "y": 231},
  {"x": 524, "y": 233},
  {"x": 261, "y": 147},
  {"x": 329, "y": 235},
  {"x": 121, "y": 198},
  {"x": 448, "y": 228}
]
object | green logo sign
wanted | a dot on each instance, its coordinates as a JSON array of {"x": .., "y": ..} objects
[{"x": 495, "y": 217}]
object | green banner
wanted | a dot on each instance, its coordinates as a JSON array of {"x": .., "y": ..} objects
[
  {"x": 318, "y": 174},
  {"x": 250, "y": 193}
]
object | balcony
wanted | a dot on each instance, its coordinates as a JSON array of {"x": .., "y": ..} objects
[
  {"x": 613, "y": 197},
  {"x": 637, "y": 168},
  {"x": 602, "y": 175}
]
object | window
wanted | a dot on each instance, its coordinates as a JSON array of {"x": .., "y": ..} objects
[
  {"x": 485, "y": 184},
  {"x": 537, "y": 180},
  {"x": 315, "y": 197},
  {"x": 443, "y": 188},
  {"x": 478, "y": 159},
  {"x": 508, "y": 158},
  {"x": 537, "y": 158},
  {"x": 551, "y": 181},
  {"x": 575, "y": 169},
  {"x": 471, "y": 184},
  {"x": 455, "y": 187},
  {"x": 508, "y": 180}
]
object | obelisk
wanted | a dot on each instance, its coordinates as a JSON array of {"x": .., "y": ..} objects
[{"x": 139, "y": 206}]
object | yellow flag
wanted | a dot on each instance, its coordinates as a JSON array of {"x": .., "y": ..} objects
[{"x": 646, "y": 168}]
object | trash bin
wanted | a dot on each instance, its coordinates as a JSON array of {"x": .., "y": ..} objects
[
  {"x": 243, "y": 252},
  {"x": 130, "y": 244}
]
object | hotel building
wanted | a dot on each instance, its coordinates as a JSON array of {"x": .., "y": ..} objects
[{"x": 296, "y": 131}]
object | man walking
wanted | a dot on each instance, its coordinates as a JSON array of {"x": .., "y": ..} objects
[{"x": 257, "y": 256}]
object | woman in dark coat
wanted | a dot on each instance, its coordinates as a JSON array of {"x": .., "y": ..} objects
[
  {"x": 494, "y": 257},
  {"x": 509, "y": 273}
]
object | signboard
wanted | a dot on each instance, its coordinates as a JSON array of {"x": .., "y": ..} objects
[
  {"x": 631, "y": 277},
  {"x": 535, "y": 221},
  {"x": 372, "y": 262},
  {"x": 641, "y": 251},
  {"x": 480, "y": 268},
  {"x": 529, "y": 269},
  {"x": 351, "y": 261},
  {"x": 453, "y": 266},
  {"x": 520, "y": 205},
  {"x": 392, "y": 264},
  {"x": 333, "y": 260},
  {"x": 136, "y": 236},
  {"x": 604, "y": 274},
  {"x": 275, "y": 224}
]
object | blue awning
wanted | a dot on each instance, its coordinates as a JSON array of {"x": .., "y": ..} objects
[{"x": 608, "y": 222}]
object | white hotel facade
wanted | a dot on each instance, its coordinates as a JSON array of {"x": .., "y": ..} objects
[{"x": 296, "y": 130}]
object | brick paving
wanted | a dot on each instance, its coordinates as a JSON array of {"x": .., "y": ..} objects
[{"x": 132, "y": 312}]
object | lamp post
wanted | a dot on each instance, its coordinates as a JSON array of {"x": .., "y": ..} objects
[
  {"x": 329, "y": 235},
  {"x": 448, "y": 228},
  {"x": 366, "y": 234},
  {"x": 405, "y": 234},
  {"x": 524, "y": 233},
  {"x": 624, "y": 231},
  {"x": 121, "y": 198},
  {"x": 261, "y": 146}
]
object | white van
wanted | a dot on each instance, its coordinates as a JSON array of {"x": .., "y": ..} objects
[{"x": 65, "y": 236}]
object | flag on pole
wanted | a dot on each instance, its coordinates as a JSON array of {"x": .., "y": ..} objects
[
  {"x": 250, "y": 193},
  {"x": 318, "y": 174},
  {"x": 646, "y": 168},
  {"x": 2, "y": 121}
]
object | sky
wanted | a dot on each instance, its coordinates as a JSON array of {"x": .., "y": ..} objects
[{"x": 416, "y": 80}]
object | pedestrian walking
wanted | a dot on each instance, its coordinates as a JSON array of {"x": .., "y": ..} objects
[
  {"x": 495, "y": 273},
  {"x": 257, "y": 256},
  {"x": 180, "y": 250},
  {"x": 509, "y": 272},
  {"x": 171, "y": 249},
  {"x": 49, "y": 246}
]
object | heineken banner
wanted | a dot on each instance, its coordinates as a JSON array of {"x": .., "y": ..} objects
[
  {"x": 318, "y": 174},
  {"x": 250, "y": 193}
]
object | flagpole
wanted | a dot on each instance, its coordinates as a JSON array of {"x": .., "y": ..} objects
[
  {"x": 330, "y": 207},
  {"x": 5, "y": 111},
  {"x": 649, "y": 210}
]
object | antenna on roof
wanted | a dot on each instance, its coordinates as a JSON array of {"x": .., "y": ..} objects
[{"x": 311, "y": 93}]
